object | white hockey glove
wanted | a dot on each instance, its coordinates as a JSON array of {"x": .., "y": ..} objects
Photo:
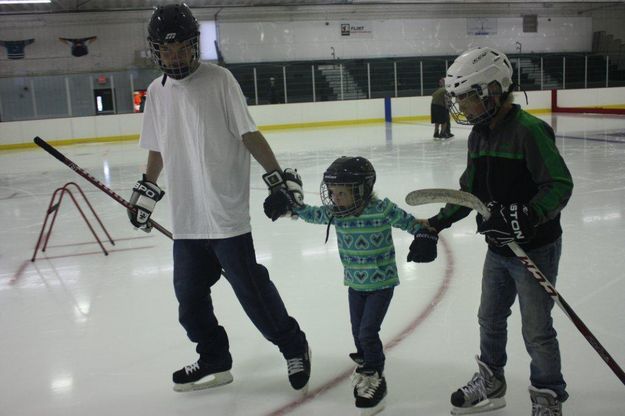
[
  {"x": 285, "y": 192},
  {"x": 145, "y": 195}
]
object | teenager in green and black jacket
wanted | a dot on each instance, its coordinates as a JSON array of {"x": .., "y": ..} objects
[
  {"x": 513, "y": 165},
  {"x": 516, "y": 161}
]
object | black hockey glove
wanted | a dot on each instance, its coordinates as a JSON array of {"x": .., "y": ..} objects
[
  {"x": 145, "y": 195},
  {"x": 508, "y": 223},
  {"x": 423, "y": 247},
  {"x": 285, "y": 192}
]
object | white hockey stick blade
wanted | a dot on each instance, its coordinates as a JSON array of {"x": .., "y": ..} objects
[
  {"x": 210, "y": 381},
  {"x": 303, "y": 392},
  {"x": 445, "y": 196}
]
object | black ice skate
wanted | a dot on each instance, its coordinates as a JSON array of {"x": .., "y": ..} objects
[
  {"x": 299, "y": 371},
  {"x": 201, "y": 375},
  {"x": 355, "y": 377},
  {"x": 370, "y": 389},
  {"x": 545, "y": 402},
  {"x": 483, "y": 393}
]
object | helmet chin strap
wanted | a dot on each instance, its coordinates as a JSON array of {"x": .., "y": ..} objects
[{"x": 191, "y": 69}]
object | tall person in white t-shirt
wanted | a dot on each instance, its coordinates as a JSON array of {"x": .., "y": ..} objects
[{"x": 197, "y": 128}]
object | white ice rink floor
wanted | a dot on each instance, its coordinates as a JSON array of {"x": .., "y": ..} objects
[{"x": 88, "y": 334}]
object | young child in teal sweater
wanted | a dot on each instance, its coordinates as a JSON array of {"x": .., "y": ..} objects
[{"x": 363, "y": 225}]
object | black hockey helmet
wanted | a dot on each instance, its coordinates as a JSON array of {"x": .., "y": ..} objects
[
  {"x": 173, "y": 35},
  {"x": 352, "y": 174}
]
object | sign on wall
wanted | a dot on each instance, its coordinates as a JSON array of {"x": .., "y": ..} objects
[
  {"x": 481, "y": 26},
  {"x": 357, "y": 30}
]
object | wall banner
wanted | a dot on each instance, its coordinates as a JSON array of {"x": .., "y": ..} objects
[
  {"x": 481, "y": 26},
  {"x": 357, "y": 30}
]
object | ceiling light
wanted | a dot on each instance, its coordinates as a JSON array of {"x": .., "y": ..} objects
[{"x": 24, "y": 1}]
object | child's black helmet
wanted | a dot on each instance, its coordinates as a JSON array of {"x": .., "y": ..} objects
[{"x": 357, "y": 175}]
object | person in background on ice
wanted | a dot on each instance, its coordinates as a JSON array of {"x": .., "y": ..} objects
[
  {"x": 273, "y": 94},
  {"x": 439, "y": 112},
  {"x": 197, "y": 128},
  {"x": 363, "y": 228},
  {"x": 514, "y": 167}
]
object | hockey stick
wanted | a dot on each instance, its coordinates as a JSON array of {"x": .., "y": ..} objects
[
  {"x": 48, "y": 148},
  {"x": 465, "y": 199}
]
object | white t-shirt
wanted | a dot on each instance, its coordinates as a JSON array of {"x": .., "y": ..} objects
[{"x": 196, "y": 124}]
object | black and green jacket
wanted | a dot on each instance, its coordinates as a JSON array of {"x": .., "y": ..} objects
[{"x": 517, "y": 161}]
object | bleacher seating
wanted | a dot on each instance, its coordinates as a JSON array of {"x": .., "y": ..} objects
[{"x": 403, "y": 77}]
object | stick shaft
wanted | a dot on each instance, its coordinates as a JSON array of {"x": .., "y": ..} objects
[{"x": 63, "y": 159}]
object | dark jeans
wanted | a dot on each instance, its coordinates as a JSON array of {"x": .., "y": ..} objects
[
  {"x": 504, "y": 278},
  {"x": 367, "y": 311},
  {"x": 198, "y": 265}
]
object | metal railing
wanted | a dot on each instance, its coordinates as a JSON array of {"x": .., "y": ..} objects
[
  {"x": 358, "y": 79},
  {"x": 72, "y": 95}
]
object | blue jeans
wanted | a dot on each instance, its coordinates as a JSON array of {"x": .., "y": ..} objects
[
  {"x": 503, "y": 278},
  {"x": 367, "y": 311},
  {"x": 198, "y": 265}
]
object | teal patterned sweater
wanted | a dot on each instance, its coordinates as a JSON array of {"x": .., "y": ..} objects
[{"x": 365, "y": 242}]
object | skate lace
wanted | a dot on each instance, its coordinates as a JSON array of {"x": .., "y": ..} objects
[
  {"x": 368, "y": 385},
  {"x": 476, "y": 389},
  {"x": 191, "y": 368},
  {"x": 295, "y": 365},
  {"x": 356, "y": 377},
  {"x": 545, "y": 410}
]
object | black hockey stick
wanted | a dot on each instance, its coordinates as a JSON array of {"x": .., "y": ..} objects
[
  {"x": 426, "y": 196},
  {"x": 48, "y": 148}
]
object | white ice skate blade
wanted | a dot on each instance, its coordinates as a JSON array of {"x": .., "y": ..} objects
[
  {"x": 370, "y": 411},
  {"x": 210, "y": 381},
  {"x": 481, "y": 407},
  {"x": 303, "y": 391}
]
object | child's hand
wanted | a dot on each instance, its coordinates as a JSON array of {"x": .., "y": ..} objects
[
  {"x": 426, "y": 225},
  {"x": 423, "y": 248}
]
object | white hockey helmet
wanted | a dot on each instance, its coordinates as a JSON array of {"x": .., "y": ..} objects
[{"x": 473, "y": 72}]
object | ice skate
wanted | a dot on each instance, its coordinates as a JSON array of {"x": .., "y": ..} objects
[
  {"x": 299, "y": 371},
  {"x": 355, "y": 377},
  {"x": 545, "y": 402},
  {"x": 370, "y": 390},
  {"x": 200, "y": 375},
  {"x": 483, "y": 393}
]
